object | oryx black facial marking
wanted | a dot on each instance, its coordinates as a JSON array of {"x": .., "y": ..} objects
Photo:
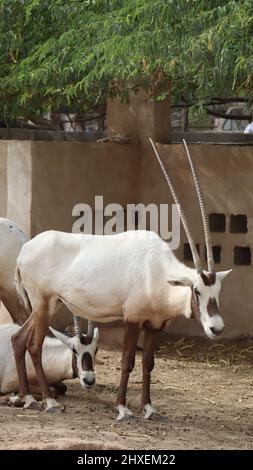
[
  {"x": 212, "y": 307},
  {"x": 195, "y": 313},
  {"x": 86, "y": 340},
  {"x": 87, "y": 363},
  {"x": 74, "y": 366},
  {"x": 209, "y": 279}
]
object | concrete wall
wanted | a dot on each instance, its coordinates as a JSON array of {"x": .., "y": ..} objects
[
  {"x": 19, "y": 184},
  {"x": 46, "y": 179}
]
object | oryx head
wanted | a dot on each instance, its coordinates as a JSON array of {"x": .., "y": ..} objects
[
  {"x": 84, "y": 348},
  {"x": 205, "y": 300},
  {"x": 205, "y": 285}
]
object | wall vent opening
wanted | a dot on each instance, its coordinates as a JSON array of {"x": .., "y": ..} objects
[
  {"x": 188, "y": 253},
  {"x": 238, "y": 223},
  {"x": 216, "y": 254},
  {"x": 217, "y": 222},
  {"x": 242, "y": 255}
]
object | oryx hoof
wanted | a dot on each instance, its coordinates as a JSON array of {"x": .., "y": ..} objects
[
  {"x": 35, "y": 405},
  {"x": 150, "y": 412},
  {"x": 52, "y": 406},
  {"x": 31, "y": 403},
  {"x": 124, "y": 413},
  {"x": 55, "y": 409},
  {"x": 16, "y": 401}
]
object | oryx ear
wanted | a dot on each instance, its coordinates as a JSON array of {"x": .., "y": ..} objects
[
  {"x": 184, "y": 281},
  {"x": 63, "y": 338},
  {"x": 222, "y": 274}
]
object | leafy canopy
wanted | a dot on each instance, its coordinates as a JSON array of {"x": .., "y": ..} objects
[{"x": 78, "y": 52}]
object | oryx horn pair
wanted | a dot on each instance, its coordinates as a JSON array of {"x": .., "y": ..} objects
[
  {"x": 195, "y": 254},
  {"x": 90, "y": 330}
]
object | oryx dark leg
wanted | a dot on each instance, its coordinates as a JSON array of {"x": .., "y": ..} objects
[
  {"x": 147, "y": 367},
  {"x": 19, "y": 343},
  {"x": 131, "y": 334},
  {"x": 34, "y": 346},
  {"x": 60, "y": 388},
  {"x": 30, "y": 337}
]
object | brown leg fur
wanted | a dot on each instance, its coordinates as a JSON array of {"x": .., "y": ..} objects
[
  {"x": 34, "y": 345},
  {"x": 131, "y": 335},
  {"x": 30, "y": 337},
  {"x": 147, "y": 363},
  {"x": 19, "y": 340}
]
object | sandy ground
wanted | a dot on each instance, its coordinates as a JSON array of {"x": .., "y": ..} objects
[{"x": 203, "y": 390}]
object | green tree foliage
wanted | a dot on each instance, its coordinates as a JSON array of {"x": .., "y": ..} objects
[{"x": 77, "y": 52}]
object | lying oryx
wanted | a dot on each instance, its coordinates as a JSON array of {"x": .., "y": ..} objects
[
  {"x": 63, "y": 358},
  {"x": 12, "y": 239},
  {"x": 127, "y": 276}
]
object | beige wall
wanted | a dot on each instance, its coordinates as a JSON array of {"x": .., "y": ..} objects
[
  {"x": 65, "y": 174},
  {"x": 45, "y": 180},
  {"x": 19, "y": 184}
]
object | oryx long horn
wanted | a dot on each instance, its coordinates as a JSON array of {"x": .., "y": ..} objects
[
  {"x": 91, "y": 327},
  {"x": 209, "y": 251},
  {"x": 195, "y": 255},
  {"x": 77, "y": 325}
]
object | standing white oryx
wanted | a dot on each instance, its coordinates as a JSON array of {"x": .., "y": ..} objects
[
  {"x": 132, "y": 276},
  {"x": 12, "y": 239}
]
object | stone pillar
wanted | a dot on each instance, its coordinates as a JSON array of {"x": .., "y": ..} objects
[{"x": 141, "y": 118}]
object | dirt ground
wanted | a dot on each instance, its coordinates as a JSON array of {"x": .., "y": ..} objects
[{"x": 203, "y": 390}]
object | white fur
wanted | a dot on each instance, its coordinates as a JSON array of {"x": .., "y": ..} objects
[
  {"x": 12, "y": 238},
  {"x": 51, "y": 403},
  {"x": 149, "y": 410},
  {"x": 30, "y": 402},
  {"x": 56, "y": 358},
  {"x": 105, "y": 278},
  {"x": 124, "y": 412}
]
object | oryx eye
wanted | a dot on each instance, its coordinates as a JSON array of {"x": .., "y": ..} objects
[
  {"x": 74, "y": 351},
  {"x": 196, "y": 291},
  {"x": 96, "y": 351}
]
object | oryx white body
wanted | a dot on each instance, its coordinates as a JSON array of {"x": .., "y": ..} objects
[
  {"x": 57, "y": 361},
  {"x": 106, "y": 278},
  {"x": 12, "y": 239}
]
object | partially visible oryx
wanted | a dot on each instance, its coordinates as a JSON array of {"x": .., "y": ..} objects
[
  {"x": 132, "y": 276},
  {"x": 63, "y": 358},
  {"x": 12, "y": 239}
]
